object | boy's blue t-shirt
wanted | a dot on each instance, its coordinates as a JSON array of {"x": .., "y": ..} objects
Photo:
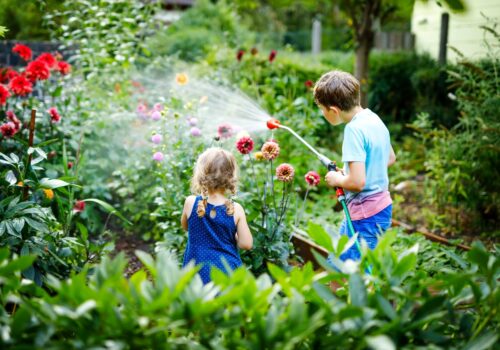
[{"x": 367, "y": 139}]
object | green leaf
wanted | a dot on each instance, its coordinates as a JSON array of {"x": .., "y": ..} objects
[
  {"x": 380, "y": 342},
  {"x": 386, "y": 307},
  {"x": 83, "y": 232},
  {"x": 357, "y": 290},
  {"x": 483, "y": 342},
  {"x": 320, "y": 236},
  {"x": 10, "y": 177},
  {"x": 18, "y": 264},
  {"x": 52, "y": 183},
  {"x": 108, "y": 208}
]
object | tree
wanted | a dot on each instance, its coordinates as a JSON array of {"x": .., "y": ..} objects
[{"x": 366, "y": 17}]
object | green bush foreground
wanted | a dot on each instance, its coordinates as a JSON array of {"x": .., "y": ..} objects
[{"x": 399, "y": 306}]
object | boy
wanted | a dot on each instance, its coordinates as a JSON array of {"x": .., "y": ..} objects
[{"x": 366, "y": 154}]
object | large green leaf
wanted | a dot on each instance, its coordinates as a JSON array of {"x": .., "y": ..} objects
[
  {"x": 108, "y": 208},
  {"x": 52, "y": 183},
  {"x": 320, "y": 236},
  {"x": 357, "y": 290}
]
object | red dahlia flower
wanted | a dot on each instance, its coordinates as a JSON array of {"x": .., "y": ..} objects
[
  {"x": 37, "y": 70},
  {"x": 79, "y": 206},
  {"x": 63, "y": 67},
  {"x": 285, "y": 172},
  {"x": 48, "y": 59},
  {"x": 7, "y": 74},
  {"x": 4, "y": 94},
  {"x": 54, "y": 115},
  {"x": 8, "y": 129},
  {"x": 309, "y": 84},
  {"x": 20, "y": 85},
  {"x": 23, "y": 51},
  {"x": 312, "y": 178},
  {"x": 245, "y": 145},
  {"x": 240, "y": 54},
  {"x": 272, "y": 55}
]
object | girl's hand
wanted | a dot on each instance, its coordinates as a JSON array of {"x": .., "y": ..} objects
[{"x": 334, "y": 178}]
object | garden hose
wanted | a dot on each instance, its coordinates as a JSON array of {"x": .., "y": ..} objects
[{"x": 331, "y": 166}]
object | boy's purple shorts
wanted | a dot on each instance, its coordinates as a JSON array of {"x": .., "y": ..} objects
[{"x": 369, "y": 230}]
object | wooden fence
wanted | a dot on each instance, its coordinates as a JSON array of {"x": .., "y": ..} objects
[{"x": 393, "y": 41}]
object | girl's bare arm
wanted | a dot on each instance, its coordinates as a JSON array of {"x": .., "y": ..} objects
[{"x": 243, "y": 234}]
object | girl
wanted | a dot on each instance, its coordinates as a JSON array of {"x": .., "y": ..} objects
[{"x": 216, "y": 225}]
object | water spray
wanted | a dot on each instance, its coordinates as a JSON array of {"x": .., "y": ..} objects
[{"x": 331, "y": 166}]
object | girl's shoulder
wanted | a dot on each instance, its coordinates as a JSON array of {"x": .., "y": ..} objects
[{"x": 188, "y": 204}]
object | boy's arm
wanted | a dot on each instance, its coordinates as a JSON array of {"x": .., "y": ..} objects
[
  {"x": 354, "y": 181},
  {"x": 392, "y": 157}
]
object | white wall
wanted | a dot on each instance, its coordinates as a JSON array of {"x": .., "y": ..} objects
[{"x": 463, "y": 31}]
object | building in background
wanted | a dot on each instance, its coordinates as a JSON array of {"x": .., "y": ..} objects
[{"x": 464, "y": 32}]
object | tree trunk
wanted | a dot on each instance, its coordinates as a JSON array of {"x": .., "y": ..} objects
[{"x": 361, "y": 68}]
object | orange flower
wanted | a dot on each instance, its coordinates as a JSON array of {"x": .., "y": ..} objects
[
  {"x": 48, "y": 193},
  {"x": 20, "y": 184},
  {"x": 181, "y": 78}
]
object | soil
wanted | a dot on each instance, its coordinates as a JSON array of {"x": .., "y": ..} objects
[{"x": 128, "y": 244}]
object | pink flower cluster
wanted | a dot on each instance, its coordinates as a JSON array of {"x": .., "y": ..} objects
[
  {"x": 285, "y": 172},
  {"x": 312, "y": 178}
]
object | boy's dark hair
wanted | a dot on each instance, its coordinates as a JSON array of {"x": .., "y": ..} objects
[{"x": 337, "y": 88}]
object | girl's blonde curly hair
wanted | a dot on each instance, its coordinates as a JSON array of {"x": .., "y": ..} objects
[{"x": 216, "y": 170}]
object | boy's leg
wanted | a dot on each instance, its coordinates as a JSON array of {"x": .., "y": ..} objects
[{"x": 369, "y": 230}]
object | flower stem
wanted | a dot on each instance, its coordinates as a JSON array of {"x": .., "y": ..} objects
[
  {"x": 303, "y": 205},
  {"x": 272, "y": 189}
]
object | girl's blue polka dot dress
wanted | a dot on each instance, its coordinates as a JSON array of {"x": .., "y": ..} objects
[{"x": 211, "y": 239}]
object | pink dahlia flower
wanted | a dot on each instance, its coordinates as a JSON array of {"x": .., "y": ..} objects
[
  {"x": 158, "y": 107},
  {"x": 195, "y": 131},
  {"x": 156, "y": 115},
  {"x": 270, "y": 150},
  {"x": 193, "y": 121},
  {"x": 158, "y": 156},
  {"x": 285, "y": 172},
  {"x": 225, "y": 131},
  {"x": 245, "y": 145},
  {"x": 312, "y": 178},
  {"x": 157, "y": 139}
]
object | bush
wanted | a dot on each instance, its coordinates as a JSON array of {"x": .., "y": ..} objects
[
  {"x": 400, "y": 306},
  {"x": 200, "y": 28},
  {"x": 403, "y": 84}
]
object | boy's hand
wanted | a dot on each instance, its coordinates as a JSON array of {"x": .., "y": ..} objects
[{"x": 334, "y": 178}]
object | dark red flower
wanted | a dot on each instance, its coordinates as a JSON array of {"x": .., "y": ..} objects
[
  {"x": 8, "y": 129},
  {"x": 79, "y": 206},
  {"x": 272, "y": 55},
  {"x": 23, "y": 51},
  {"x": 254, "y": 51},
  {"x": 48, "y": 59},
  {"x": 4, "y": 94},
  {"x": 11, "y": 116},
  {"x": 37, "y": 70},
  {"x": 308, "y": 83},
  {"x": 54, "y": 115},
  {"x": 70, "y": 165},
  {"x": 240, "y": 54},
  {"x": 20, "y": 85},
  {"x": 245, "y": 145},
  {"x": 63, "y": 67}
]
